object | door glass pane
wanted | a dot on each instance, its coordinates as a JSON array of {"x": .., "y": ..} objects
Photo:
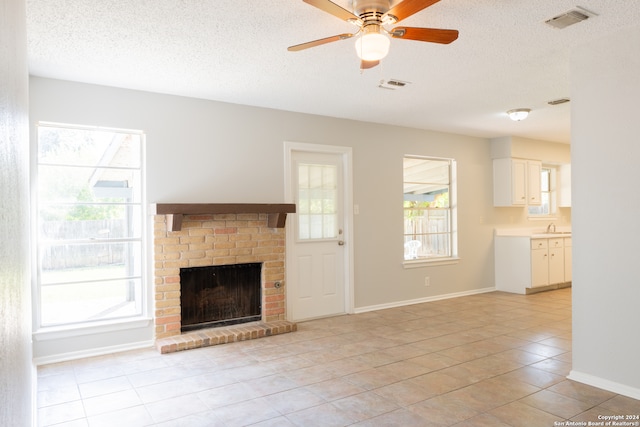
[{"x": 317, "y": 201}]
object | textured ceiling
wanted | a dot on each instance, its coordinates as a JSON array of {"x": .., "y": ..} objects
[{"x": 236, "y": 51}]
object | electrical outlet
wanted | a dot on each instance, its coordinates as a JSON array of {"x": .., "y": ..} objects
[{"x": 427, "y": 281}]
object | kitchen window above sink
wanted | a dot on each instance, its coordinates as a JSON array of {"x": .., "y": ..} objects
[{"x": 547, "y": 194}]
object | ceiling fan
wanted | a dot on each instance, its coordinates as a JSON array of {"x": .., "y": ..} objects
[{"x": 370, "y": 16}]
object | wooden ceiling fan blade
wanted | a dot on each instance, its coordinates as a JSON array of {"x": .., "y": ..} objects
[
  {"x": 365, "y": 65},
  {"x": 319, "y": 42},
  {"x": 406, "y": 8},
  {"x": 432, "y": 35},
  {"x": 333, "y": 9}
]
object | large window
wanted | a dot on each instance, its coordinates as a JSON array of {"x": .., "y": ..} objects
[
  {"x": 429, "y": 208},
  {"x": 89, "y": 230}
]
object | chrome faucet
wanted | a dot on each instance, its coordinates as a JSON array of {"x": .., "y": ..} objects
[{"x": 550, "y": 227}]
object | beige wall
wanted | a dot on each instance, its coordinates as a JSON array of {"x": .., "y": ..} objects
[
  {"x": 204, "y": 151},
  {"x": 547, "y": 152},
  {"x": 526, "y": 148},
  {"x": 605, "y": 158}
]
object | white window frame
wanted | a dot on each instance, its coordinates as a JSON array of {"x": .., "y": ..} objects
[
  {"x": 553, "y": 196},
  {"x": 72, "y": 329},
  {"x": 453, "y": 257}
]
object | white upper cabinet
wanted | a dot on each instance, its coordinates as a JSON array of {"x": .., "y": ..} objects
[
  {"x": 534, "y": 189},
  {"x": 516, "y": 182}
]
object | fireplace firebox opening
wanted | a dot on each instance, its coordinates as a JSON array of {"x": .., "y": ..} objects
[{"x": 220, "y": 295}]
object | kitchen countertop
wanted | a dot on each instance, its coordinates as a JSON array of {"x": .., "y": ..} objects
[
  {"x": 551, "y": 235},
  {"x": 533, "y": 233}
]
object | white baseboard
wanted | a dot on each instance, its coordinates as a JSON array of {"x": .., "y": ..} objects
[
  {"x": 65, "y": 357},
  {"x": 604, "y": 384},
  {"x": 422, "y": 300}
]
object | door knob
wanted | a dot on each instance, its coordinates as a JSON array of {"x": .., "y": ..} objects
[{"x": 340, "y": 242}]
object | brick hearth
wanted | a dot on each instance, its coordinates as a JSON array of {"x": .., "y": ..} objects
[
  {"x": 217, "y": 239},
  {"x": 216, "y": 336}
]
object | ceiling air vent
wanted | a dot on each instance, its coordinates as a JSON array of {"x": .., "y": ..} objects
[
  {"x": 558, "y": 101},
  {"x": 571, "y": 17},
  {"x": 392, "y": 84}
]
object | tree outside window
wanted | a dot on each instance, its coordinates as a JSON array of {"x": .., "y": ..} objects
[{"x": 90, "y": 222}]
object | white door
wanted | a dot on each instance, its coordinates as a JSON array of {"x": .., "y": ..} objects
[{"x": 317, "y": 255}]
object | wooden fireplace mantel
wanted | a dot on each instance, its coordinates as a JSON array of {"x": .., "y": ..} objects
[{"x": 175, "y": 211}]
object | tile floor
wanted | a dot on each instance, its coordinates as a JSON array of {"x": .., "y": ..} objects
[{"x": 493, "y": 359}]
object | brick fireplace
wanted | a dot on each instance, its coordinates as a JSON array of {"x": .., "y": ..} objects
[{"x": 224, "y": 234}]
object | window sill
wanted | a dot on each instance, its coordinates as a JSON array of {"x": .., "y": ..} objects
[
  {"x": 430, "y": 262},
  {"x": 68, "y": 331}
]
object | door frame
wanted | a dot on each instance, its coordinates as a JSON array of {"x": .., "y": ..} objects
[{"x": 347, "y": 203}]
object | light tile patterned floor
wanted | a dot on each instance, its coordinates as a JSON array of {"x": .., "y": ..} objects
[{"x": 493, "y": 359}]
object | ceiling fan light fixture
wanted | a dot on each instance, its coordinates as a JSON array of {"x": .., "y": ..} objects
[
  {"x": 518, "y": 114},
  {"x": 372, "y": 46}
]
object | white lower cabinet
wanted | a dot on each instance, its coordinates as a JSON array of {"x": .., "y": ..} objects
[
  {"x": 556, "y": 261},
  {"x": 539, "y": 263},
  {"x": 523, "y": 263}
]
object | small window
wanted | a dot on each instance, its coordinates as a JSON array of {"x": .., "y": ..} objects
[
  {"x": 90, "y": 225},
  {"x": 429, "y": 208},
  {"x": 547, "y": 194}
]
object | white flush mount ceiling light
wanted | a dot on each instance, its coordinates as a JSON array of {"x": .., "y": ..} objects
[
  {"x": 518, "y": 114},
  {"x": 373, "y": 45}
]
